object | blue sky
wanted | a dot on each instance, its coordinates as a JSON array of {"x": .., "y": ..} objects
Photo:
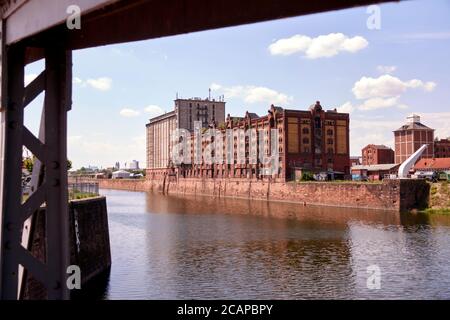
[{"x": 379, "y": 76}]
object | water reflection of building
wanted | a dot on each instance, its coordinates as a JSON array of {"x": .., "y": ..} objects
[{"x": 314, "y": 140}]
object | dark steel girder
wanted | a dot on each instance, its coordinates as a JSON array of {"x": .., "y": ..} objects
[{"x": 109, "y": 22}]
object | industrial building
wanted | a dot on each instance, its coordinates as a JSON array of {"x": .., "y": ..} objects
[
  {"x": 313, "y": 140},
  {"x": 442, "y": 148},
  {"x": 377, "y": 154},
  {"x": 410, "y": 137}
]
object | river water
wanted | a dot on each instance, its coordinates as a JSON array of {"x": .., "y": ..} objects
[{"x": 168, "y": 247}]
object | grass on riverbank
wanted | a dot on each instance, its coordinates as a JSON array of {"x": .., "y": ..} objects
[
  {"x": 77, "y": 195},
  {"x": 73, "y": 195},
  {"x": 439, "y": 198},
  {"x": 437, "y": 211}
]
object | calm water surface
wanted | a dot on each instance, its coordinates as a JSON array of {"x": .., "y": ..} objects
[{"x": 167, "y": 247}]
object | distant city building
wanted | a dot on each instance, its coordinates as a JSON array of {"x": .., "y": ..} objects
[
  {"x": 355, "y": 161},
  {"x": 377, "y": 154},
  {"x": 134, "y": 165},
  {"x": 314, "y": 140},
  {"x": 117, "y": 166},
  {"x": 442, "y": 148},
  {"x": 410, "y": 137}
]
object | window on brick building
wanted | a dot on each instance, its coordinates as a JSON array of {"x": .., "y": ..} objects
[
  {"x": 305, "y": 140},
  {"x": 305, "y": 131},
  {"x": 329, "y": 132},
  {"x": 330, "y": 141}
]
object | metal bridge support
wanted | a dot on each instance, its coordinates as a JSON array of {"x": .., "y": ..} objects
[{"x": 56, "y": 81}]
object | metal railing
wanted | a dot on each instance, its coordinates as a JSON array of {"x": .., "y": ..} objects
[{"x": 83, "y": 187}]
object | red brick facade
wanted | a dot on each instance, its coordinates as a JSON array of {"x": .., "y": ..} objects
[
  {"x": 442, "y": 148},
  {"x": 410, "y": 137},
  {"x": 377, "y": 154},
  {"x": 313, "y": 139}
]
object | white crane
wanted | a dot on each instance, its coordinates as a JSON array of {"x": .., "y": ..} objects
[{"x": 403, "y": 170}]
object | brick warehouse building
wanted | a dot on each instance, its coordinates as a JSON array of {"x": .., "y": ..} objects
[
  {"x": 442, "y": 148},
  {"x": 410, "y": 137},
  {"x": 313, "y": 140},
  {"x": 377, "y": 154},
  {"x": 185, "y": 112}
]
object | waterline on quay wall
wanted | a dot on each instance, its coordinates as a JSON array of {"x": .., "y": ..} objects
[{"x": 396, "y": 195}]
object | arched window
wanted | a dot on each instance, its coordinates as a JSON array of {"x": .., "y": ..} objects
[
  {"x": 305, "y": 131},
  {"x": 329, "y": 132}
]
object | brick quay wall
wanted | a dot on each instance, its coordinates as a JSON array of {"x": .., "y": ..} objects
[
  {"x": 396, "y": 195},
  {"x": 89, "y": 244}
]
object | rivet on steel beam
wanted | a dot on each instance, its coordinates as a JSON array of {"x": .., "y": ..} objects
[
  {"x": 55, "y": 182},
  {"x": 55, "y": 164}
]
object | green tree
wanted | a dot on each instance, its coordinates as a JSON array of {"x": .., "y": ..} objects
[
  {"x": 307, "y": 176},
  {"x": 28, "y": 163}
]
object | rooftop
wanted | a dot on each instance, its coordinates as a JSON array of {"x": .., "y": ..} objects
[
  {"x": 378, "y": 146},
  {"x": 433, "y": 163},
  {"x": 376, "y": 167},
  {"x": 163, "y": 116},
  {"x": 413, "y": 123}
]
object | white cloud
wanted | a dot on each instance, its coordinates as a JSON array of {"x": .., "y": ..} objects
[
  {"x": 346, "y": 108},
  {"x": 378, "y": 103},
  {"x": 322, "y": 46},
  {"x": 381, "y": 129},
  {"x": 438, "y": 121},
  {"x": 387, "y": 86},
  {"x": 254, "y": 94},
  {"x": 102, "y": 83},
  {"x": 77, "y": 80},
  {"x": 427, "y": 86},
  {"x": 215, "y": 86},
  {"x": 128, "y": 113},
  {"x": 74, "y": 138},
  {"x": 380, "y": 133},
  {"x": 154, "y": 110},
  {"x": 29, "y": 78},
  {"x": 386, "y": 69}
]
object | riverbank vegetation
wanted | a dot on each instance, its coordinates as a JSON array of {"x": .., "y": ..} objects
[{"x": 439, "y": 198}]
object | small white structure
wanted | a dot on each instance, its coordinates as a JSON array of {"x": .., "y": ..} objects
[
  {"x": 120, "y": 174},
  {"x": 409, "y": 163}
]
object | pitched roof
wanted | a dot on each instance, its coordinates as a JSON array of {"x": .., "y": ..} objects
[
  {"x": 377, "y": 146},
  {"x": 414, "y": 125},
  {"x": 432, "y": 163},
  {"x": 376, "y": 167}
]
